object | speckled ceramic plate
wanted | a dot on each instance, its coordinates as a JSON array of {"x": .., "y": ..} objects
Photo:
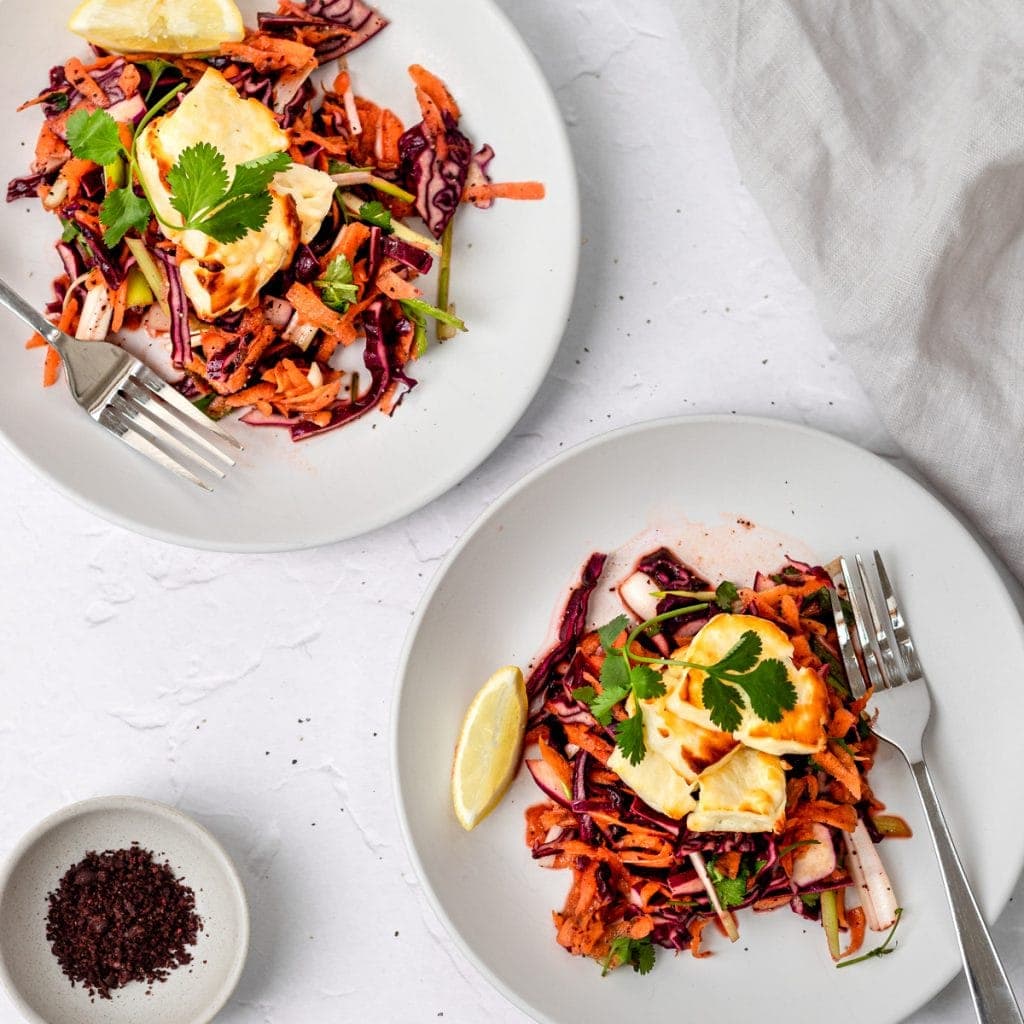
[
  {"x": 729, "y": 494},
  {"x": 513, "y": 274},
  {"x": 193, "y": 993}
]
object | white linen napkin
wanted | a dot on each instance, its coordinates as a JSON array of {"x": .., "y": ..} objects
[{"x": 885, "y": 142}]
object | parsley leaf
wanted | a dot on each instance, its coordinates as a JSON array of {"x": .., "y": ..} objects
[
  {"x": 726, "y": 595},
  {"x": 374, "y": 212},
  {"x": 337, "y": 287},
  {"x": 638, "y": 953},
  {"x": 629, "y": 736},
  {"x": 94, "y": 136},
  {"x": 198, "y": 180},
  {"x": 121, "y": 212}
]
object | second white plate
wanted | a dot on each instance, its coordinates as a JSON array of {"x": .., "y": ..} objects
[
  {"x": 512, "y": 279},
  {"x": 728, "y": 493}
]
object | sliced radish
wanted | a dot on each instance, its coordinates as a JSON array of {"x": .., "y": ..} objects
[
  {"x": 725, "y": 916},
  {"x": 635, "y": 592},
  {"x": 545, "y": 777},
  {"x": 869, "y": 876},
  {"x": 815, "y": 861}
]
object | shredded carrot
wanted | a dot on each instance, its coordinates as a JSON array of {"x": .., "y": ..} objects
[
  {"x": 79, "y": 77},
  {"x": 312, "y": 311},
  {"x": 51, "y": 368},
  {"x": 435, "y": 89},
  {"x": 36, "y": 341},
  {"x": 484, "y": 191},
  {"x": 269, "y": 53},
  {"x": 119, "y": 301}
]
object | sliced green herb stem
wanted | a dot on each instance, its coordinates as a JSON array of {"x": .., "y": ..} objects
[{"x": 444, "y": 330}]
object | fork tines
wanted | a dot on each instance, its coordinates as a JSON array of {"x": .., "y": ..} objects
[
  {"x": 152, "y": 417},
  {"x": 879, "y": 640}
]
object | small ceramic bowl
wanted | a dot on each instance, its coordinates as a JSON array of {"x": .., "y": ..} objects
[{"x": 194, "y": 992}]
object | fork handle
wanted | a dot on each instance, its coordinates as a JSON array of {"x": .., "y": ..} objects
[
  {"x": 993, "y": 998},
  {"x": 31, "y": 316}
]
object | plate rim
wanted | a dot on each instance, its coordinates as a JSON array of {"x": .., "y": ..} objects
[
  {"x": 443, "y": 482},
  {"x": 117, "y": 803},
  {"x": 495, "y": 508}
]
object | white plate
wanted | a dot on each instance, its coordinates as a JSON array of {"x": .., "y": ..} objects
[
  {"x": 512, "y": 280},
  {"x": 492, "y": 603},
  {"x": 193, "y": 993}
]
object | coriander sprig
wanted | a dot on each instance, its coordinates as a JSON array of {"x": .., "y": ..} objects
[
  {"x": 884, "y": 949},
  {"x": 740, "y": 671},
  {"x": 200, "y": 190},
  {"x": 638, "y": 953}
]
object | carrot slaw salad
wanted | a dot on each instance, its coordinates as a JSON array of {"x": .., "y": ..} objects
[
  {"x": 669, "y": 822},
  {"x": 254, "y": 210}
]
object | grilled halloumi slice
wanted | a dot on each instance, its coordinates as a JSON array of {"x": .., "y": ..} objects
[
  {"x": 744, "y": 792},
  {"x": 222, "y": 277},
  {"x": 655, "y": 782},
  {"x": 801, "y": 730},
  {"x": 688, "y": 747}
]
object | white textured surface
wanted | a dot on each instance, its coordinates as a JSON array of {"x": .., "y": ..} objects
[{"x": 254, "y": 691}]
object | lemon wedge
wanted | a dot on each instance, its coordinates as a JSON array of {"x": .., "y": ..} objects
[
  {"x": 490, "y": 742},
  {"x": 158, "y": 26}
]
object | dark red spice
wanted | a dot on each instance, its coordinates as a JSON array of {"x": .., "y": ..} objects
[{"x": 118, "y": 917}]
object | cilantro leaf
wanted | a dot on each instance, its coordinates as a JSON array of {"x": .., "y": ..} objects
[
  {"x": 94, "y": 136},
  {"x": 235, "y": 219},
  {"x": 417, "y": 307},
  {"x": 584, "y": 694},
  {"x": 257, "y": 174},
  {"x": 609, "y": 633},
  {"x": 646, "y": 683},
  {"x": 614, "y": 672},
  {"x": 731, "y": 891},
  {"x": 200, "y": 191},
  {"x": 726, "y": 595},
  {"x": 374, "y": 212},
  {"x": 638, "y": 953},
  {"x": 724, "y": 702},
  {"x": 769, "y": 688},
  {"x": 602, "y": 704},
  {"x": 123, "y": 211},
  {"x": 70, "y": 232},
  {"x": 60, "y": 101},
  {"x": 336, "y": 286},
  {"x": 742, "y": 656},
  {"x": 198, "y": 180},
  {"x": 629, "y": 737}
]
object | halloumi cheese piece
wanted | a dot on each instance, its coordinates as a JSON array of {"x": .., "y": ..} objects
[
  {"x": 689, "y": 748},
  {"x": 744, "y": 792},
  {"x": 655, "y": 782},
  {"x": 801, "y": 730},
  {"x": 222, "y": 277}
]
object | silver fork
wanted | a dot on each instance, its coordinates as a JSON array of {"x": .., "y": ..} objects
[
  {"x": 133, "y": 403},
  {"x": 903, "y": 707}
]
